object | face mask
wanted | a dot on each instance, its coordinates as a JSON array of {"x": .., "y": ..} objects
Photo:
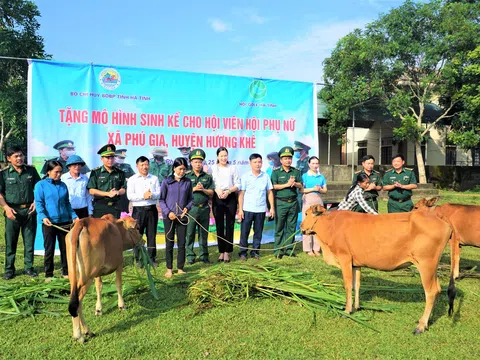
[
  {"x": 297, "y": 155},
  {"x": 178, "y": 176},
  {"x": 158, "y": 158},
  {"x": 271, "y": 163},
  {"x": 69, "y": 152},
  {"x": 119, "y": 160}
]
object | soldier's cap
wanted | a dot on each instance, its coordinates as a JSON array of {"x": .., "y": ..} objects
[
  {"x": 74, "y": 159},
  {"x": 121, "y": 153},
  {"x": 160, "y": 151},
  {"x": 285, "y": 151},
  {"x": 298, "y": 145},
  {"x": 272, "y": 155},
  {"x": 184, "y": 148},
  {"x": 197, "y": 154},
  {"x": 63, "y": 144},
  {"x": 107, "y": 150}
]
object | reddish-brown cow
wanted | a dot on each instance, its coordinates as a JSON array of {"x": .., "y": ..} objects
[
  {"x": 465, "y": 222},
  {"x": 387, "y": 242},
  {"x": 95, "y": 248}
]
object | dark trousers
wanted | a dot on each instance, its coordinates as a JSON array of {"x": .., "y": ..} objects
[
  {"x": 202, "y": 216},
  {"x": 100, "y": 209},
  {"x": 170, "y": 227},
  {"x": 81, "y": 213},
  {"x": 286, "y": 216},
  {"x": 50, "y": 234},
  {"x": 258, "y": 220},
  {"x": 225, "y": 210},
  {"x": 147, "y": 221},
  {"x": 27, "y": 224}
]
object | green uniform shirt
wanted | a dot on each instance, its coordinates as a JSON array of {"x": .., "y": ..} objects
[
  {"x": 374, "y": 178},
  {"x": 160, "y": 170},
  {"x": 83, "y": 170},
  {"x": 280, "y": 177},
  {"x": 199, "y": 197},
  {"x": 127, "y": 169},
  {"x": 17, "y": 188},
  {"x": 302, "y": 165},
  {"x": 404, "y": 177},
  {"x": 103, "y": 180}
]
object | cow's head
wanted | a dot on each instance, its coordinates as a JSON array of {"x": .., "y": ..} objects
[
  {"x": 425, "y": 204},
  {"x": 311, "y": 216},
  {"x": 132, "y": 235}
]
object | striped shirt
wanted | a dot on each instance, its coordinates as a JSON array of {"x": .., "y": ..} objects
[{"x": 356, "y": 197}]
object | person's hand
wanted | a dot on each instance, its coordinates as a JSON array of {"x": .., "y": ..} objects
[
  {"x": 371, "y": 187},
  {"x": 75, "y": 220},
  {"x": 112, "y": 193},
  {"x": 397, "y": 184},
  {"x": 9, "y": 212},
  {"x": 47, "y": 222},
  {"x": 199, "y": 186},
  {"x": 184, "y": 211},
  {"x": 291, "y": 181},
  {"x": 272, "y": 213},
  {"x": 171, "y": 215},
  {"x": 241, "y": 215},
  {"x": 318, "y": 188},
  {"x": 147, "y": 194},
  {"x": 31, "y": 209}
]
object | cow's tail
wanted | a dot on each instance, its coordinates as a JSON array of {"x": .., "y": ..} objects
[
  {"x": 72, "y": 267},
  {"x": 452, "y": 292}
]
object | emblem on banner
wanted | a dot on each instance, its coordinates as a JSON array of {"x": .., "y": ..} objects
[
  {"x": 258, "y": 89},
  {"x": 109, "y": 78}
]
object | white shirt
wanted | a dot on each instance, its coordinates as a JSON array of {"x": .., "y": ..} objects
[
  {"x": 137, "y": 185},
  {"x": 78, "y": 194},
  {"x": 224, "y": 177}
]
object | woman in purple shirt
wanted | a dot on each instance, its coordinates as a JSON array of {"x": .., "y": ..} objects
[{"x": 176, "y": 199}]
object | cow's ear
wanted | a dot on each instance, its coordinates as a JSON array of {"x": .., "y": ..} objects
[{"x": 433, "y": 201}]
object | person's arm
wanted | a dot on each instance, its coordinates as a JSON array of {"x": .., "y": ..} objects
[
  {"x": 241, "y": 195},
  {"x": 92, "y": 186},
  {"x": 189, "y": 195},
  {"x": 363, "y": 204},
  {"x": 156, "y": 188},
  {"x": 271, "y": 202},
  {"x": 236, "y": 180},
  {"x": 386, "y": 183},
  {"x": 298, "y": 182},
  {"x": 277, "y": 186},
  {"x": 123, "y": 186},
  {"x": 131, "y": 194},
  {"x": 413, "y": 183},
  {"x": 163, "y": 199},
  {"x": 68, "y": 206},
  {"x": 39, "y": 196}
]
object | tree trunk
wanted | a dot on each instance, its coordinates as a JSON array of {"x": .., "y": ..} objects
[{"x": 422, "y": 178}]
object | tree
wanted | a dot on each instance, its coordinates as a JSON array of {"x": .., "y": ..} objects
[
  {"x": 406, "y": 59},
  {"x": 19, "y": 39}
]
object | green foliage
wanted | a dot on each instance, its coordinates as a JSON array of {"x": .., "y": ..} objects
[
  {"x": 18, "y": 38},
  {"x": 406, "y": 59}
]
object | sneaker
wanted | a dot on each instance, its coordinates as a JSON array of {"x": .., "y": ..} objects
[{"x": 9, "y": 276}]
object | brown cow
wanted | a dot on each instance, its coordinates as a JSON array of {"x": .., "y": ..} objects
[
  {"x": 465, "y": 222},
  {"x": 352, "y": 240},
  {"x": 95, "y": 248}
]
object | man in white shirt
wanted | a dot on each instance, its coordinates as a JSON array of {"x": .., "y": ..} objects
[
  {"x": 252, "y": 205},
  {"x": 143, "y": 190},
  {"x": 76, "y": 182}
]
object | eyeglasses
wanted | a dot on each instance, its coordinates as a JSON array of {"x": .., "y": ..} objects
[{"x": 110, "y": 157}]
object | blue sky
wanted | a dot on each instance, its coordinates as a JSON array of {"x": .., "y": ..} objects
[{"x": 269, "y": 39}]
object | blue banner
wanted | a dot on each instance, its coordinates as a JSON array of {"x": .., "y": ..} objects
[{"x": 141, "y": 109}]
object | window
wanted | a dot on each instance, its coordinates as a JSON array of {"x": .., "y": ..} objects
[
  {"x": 476, "y": 156},
  {"x": 362, "y": 150},
  {"x": 451, "y": 155},
  {"x": 386, "y": 154}
]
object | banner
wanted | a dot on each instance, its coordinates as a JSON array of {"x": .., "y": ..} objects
[{"x": 141, "y": 109}]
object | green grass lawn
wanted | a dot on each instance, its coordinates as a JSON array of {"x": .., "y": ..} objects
[{"x": 258, "y": 329}]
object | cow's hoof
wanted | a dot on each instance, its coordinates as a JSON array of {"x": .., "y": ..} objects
[
  {"x": 98, "y": 312},
  {"x": 90, "y": 334},
  {"x": 121, "y": 308},
  {"x": 418, "y": 331},
  {"x": 81, "y": 339}
]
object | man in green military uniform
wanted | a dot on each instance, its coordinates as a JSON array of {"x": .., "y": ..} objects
[
  {"x": 287, "y": 182},
  {"x": 120, "y": 155},
  {"x": 106, "y": 184},
  {"x": 399, "y": 182},
  {"x": 66, "y": 148},
  {"x": 158, "y": 166},
  {"x": 17, "y": 182},
  {"x": 371, "y": 193},
  {"x": 301, "y": 154},
  {"x": 202, "y": 192}
]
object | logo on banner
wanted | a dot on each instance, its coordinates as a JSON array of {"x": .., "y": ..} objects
[
  {"x": 109, "y": 78},
  {"x": 258, "y": 89}
]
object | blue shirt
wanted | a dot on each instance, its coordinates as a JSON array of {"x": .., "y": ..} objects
[
  {"x": 77, "y": 190},
  {"x": 309, "y": 180},
  {"x": 51, "y": 201},
  {"x": 255, "y": 188}
]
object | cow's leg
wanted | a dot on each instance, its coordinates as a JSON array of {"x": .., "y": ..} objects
[
  {"x": 98, "y": 286},
  {"x": 431, "y": 286},
  {"x": 347, "y": 283},
  {"x": 83, "y": 325},
  {"x": 455, "y": 256},
  {"x": 356, "y": 286},
  {"x": 118, "y": 282}
]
